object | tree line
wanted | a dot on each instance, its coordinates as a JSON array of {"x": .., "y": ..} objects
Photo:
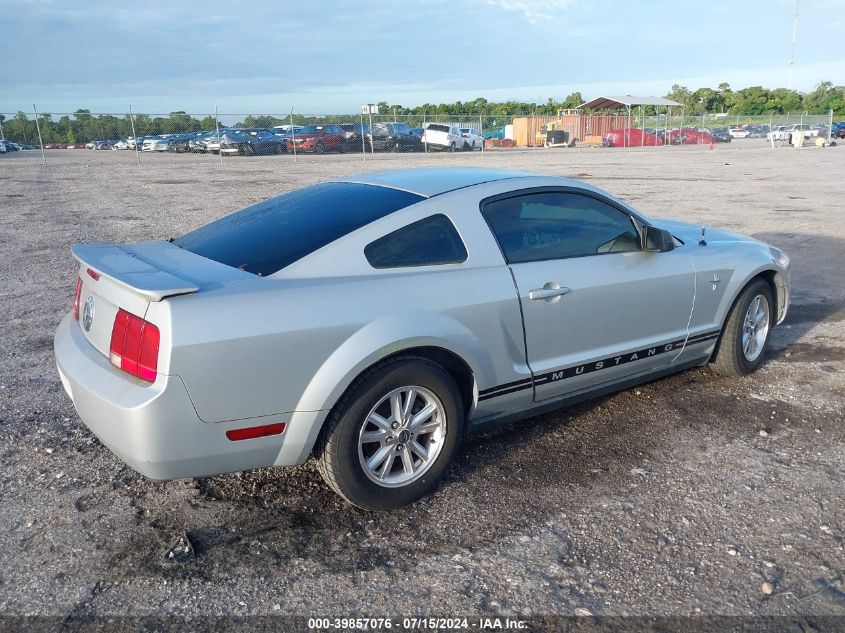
[
  {"x": 83, "y": 126},
  {"x": 756, "y": 100}
]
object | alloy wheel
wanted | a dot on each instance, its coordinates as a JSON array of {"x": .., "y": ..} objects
[
  {"x": 755, "y": 328},
  {"x": 402, "y": 436}
]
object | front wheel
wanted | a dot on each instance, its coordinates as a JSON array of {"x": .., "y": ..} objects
[
  {"x": 393, "y": 434},
  {"x": 319, "y": 149},
  {"x": 745, "y": 336}
]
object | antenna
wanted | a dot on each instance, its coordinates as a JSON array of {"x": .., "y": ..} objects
[
  {"x": 702, "y": 241},
  {"x": 794, "y": 36}
]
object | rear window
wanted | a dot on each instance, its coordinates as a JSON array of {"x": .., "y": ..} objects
[{"x": 266, "y": 237}]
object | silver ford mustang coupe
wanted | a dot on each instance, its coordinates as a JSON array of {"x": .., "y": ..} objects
[{"x": 371, "y": 322}]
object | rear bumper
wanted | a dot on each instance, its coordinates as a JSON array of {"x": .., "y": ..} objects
[{"x": 154, "y": 428}]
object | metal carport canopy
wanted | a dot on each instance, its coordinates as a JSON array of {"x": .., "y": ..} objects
[{"x": 627, "y": 101}]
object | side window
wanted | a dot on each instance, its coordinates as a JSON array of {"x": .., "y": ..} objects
[
  {"x": 427, "y": 242},
  {"x": 555, "y": 225}
]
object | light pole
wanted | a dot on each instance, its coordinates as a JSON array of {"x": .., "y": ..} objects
[{"x": 794, "y": 36}]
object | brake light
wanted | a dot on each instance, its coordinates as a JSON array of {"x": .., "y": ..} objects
[
  {"x": 252, "y": 432},
  {"x": 94, "y": 274},
  {"x": 76, "y": 294},
  {"x": 134, "y": 345}
]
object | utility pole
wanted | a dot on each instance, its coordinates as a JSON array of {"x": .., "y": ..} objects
[{"x": 794, "y": 37}]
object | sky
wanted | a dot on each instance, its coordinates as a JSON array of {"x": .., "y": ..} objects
[{"x": 333, "y": 56}]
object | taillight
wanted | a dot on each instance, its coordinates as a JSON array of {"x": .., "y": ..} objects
[
  {"x": 134, "y": 345},
  {"x": 76, "y": 294}
]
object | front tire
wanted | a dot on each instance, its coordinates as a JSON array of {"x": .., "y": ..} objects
[
  {"x": 393, "y": 434},
  {"x": 745, "y": 336}
]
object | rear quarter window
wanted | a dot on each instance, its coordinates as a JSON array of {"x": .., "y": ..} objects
[
  {"x": 428, "y": 242},
  {"x": 270, "y": 235}
]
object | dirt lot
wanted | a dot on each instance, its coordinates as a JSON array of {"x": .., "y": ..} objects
[{"x": 682, "y": 497}]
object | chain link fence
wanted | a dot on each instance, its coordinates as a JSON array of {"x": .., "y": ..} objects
[{"x": 226, "y": 135}]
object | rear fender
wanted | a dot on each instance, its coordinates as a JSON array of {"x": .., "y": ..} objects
[{"x": 372, "y": 343}]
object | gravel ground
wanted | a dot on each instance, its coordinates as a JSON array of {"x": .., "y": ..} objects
[{"x": 693, "y": 495}]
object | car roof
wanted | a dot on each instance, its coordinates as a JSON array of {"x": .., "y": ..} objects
[{"x": 433, "y": 181}]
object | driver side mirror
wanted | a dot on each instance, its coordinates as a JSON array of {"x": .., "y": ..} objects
[{"x": 657, "y": 240}]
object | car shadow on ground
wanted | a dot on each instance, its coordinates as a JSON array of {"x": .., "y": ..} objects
[{"x": 547, "y": 466}]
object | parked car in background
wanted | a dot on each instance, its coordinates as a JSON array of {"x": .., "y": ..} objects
[
  {"x": 205, "y": 142},
  {"x": 442, "y": 136},
  {"x": 3, "y": 149},
  {"x": 777, "y": 133},
  {"x": 104, "y": 144},
  {"x": 212, "y": 142},
  {"x": 250, "y": 141},
  {"x": 690, "y": 136},
  {"x": 721, "y": 135},
  {"x": 631, "y": 137},
  {"x": 181, "y": 142},
  {"x": 392, "y": 137},
  {"x": 121, "y": 145},
  {"x": 804, "y": 129},
  {"x": 154, "y": 144},
  {"x": 757, "y": 131},
  {"x": 259, "y": 339},
  {"x": 738, "y": 132},
  {"x": 472, "y": 139},
  {"x": 355, "y": 134},
  {"x": 837, "y": 130},
  {"x": 285, "y": 130},
  {"x": 319, "y": 139}
]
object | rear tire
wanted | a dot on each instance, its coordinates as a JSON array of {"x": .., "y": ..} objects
[
  {"x": 745, "y": 336},
  {"x": 377, "y": 461}
]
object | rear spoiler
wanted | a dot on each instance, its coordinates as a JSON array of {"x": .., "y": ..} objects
[{"x": 123, "y": 266}]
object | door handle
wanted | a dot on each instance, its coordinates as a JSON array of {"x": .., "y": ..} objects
[{"x": 550, "y": 292}]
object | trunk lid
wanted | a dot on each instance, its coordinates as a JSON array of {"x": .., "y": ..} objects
[{"x": 132, "y": 276}]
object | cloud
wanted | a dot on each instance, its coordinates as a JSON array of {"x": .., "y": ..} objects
[{"x": 534, "y": 11}]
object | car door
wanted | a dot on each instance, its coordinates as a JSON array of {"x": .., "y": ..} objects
[
  {"x": 596, "y": 307},
  {"x": 338, "y": 137},
  {"x": 268, "y": 142}
]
